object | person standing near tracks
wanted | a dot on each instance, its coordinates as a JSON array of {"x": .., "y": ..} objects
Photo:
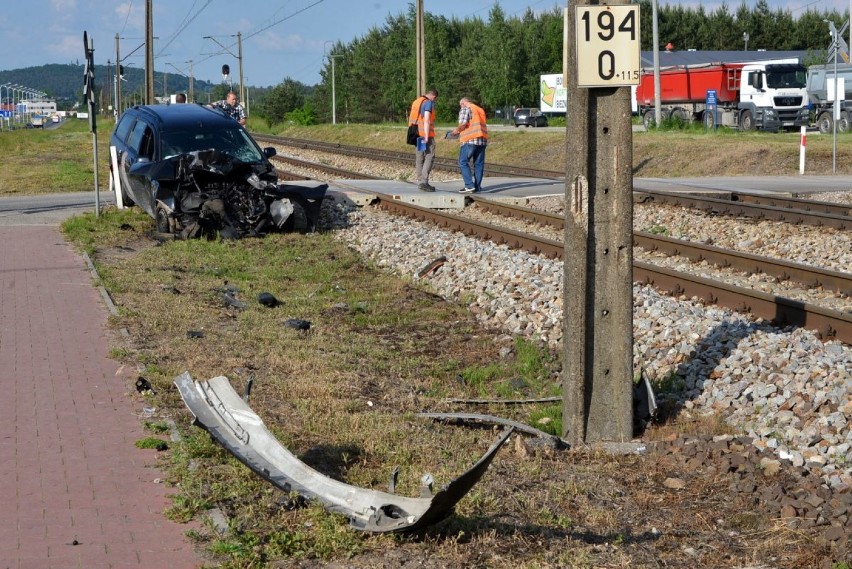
[
  {"x": 423, "y": 114},
  {"x": 473, "y": 135}
]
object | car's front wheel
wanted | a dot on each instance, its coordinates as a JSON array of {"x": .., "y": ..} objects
[{"x": 162, "y": 219}]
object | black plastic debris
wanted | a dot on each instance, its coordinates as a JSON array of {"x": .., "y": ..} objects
[
  {"x": 298, "y": 324},
  {"x": 267, "y": 299},
  {"x": 126, "y": 227},
  {"x": 143, "y": 385},
  {"x": 194, "y": 334}
]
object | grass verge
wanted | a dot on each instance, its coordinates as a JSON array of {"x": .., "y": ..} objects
[{"x": 342, "y": 397}]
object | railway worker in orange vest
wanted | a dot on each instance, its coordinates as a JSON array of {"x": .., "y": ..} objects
[
  {"x": 423, "y": 113},
  {"x": 473, "y": 135}
]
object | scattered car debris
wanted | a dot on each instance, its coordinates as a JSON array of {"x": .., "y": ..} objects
[
  {"x": 503, "y": 401},
  {"x": 433, "y": 266},
  {"x": 268, "y": 299},
  {"x": 228, "y": 294},
  {"x": 143, "y": 385},
  {"x": 298, "y": 324},
  {"x": 491, "y": 419},
  {"x": 218, "y": 409},
  {"x": 644, "y": 403}
]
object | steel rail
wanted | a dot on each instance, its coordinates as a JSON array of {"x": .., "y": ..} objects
[
  {"x": 807, "y": 275},
  {"x": 741, "y": 209},
  {"x": 500, "y": 235},
  {"x": 782, "y": 311},
  {"x": 793, "y": 203},
  {"x": 330, "y": 170},
  {"x": 825, "y": 322}
]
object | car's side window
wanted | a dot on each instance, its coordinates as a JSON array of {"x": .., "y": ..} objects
[
  {"x": 124, "y": 126},
  {"x": 146, "y": 147},
  {"x": 137, "y": 137}
]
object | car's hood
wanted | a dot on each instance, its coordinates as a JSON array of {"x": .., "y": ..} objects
[{"x": 207, "y": 161}]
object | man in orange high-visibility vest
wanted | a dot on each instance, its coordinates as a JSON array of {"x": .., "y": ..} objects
[
  {"x": 473, "y": 135},
  {"x": 423, "y": 113}
]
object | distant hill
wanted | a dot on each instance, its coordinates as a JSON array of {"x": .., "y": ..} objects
[{"x": 64, "y": 82}]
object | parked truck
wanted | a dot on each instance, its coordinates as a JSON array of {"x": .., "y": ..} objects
[
  {"x": 762, "y": 95},
  {"x": 819, "y": 80}
]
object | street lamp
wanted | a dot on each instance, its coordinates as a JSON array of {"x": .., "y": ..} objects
[
  {"x": 239, "y": 57},
  {"x": 333, "y": 101},
  {"x": 6, "y": 86},
  {"x": 19, "y": 90}
]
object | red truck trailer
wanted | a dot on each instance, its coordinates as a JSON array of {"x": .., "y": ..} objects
[{"x": 768, "y": 96}]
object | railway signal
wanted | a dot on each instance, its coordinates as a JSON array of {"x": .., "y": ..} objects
[{"x": 91, "y": 104}]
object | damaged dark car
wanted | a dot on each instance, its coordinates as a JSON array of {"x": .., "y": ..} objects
[{"x": 197, "y": 172}]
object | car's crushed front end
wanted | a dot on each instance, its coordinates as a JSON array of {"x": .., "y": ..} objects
[{"x": 210, "y": 193}]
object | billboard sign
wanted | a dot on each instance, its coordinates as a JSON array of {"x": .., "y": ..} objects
[{"x": 553, "y": 94}]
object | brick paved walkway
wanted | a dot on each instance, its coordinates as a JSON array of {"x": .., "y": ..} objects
[{"x": 74, "y": 490}]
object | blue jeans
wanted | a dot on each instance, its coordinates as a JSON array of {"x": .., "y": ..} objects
[{"x": 476, "y": 153}]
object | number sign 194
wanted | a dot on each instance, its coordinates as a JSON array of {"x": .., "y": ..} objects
[{"x": 608, "y": 50}]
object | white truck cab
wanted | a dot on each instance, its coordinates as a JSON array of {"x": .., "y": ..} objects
[{"x": 773, "y": 95}]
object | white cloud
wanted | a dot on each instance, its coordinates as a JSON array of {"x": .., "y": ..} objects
[
  {"x": 272, "y": 41},
  {"x": 61, "y": 6},
  {"x": 68, "y": 46}
]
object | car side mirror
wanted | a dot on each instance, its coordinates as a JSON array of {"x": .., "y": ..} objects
[{"x": 269, "y": 151}]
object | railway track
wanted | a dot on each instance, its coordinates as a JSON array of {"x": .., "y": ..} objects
[
  {"x": 446, "y": 164},
  {"x": 777, "y": 268},
  {"x": 828, "y": 323},
  {"x": 819, "y": 214},
  {"x": 782, "y": 311},
  {"x": 738, "y": 204},
  {"x": 330, "y": 171}
]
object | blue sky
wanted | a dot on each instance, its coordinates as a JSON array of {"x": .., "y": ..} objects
[{"x": 281, "y": 38}]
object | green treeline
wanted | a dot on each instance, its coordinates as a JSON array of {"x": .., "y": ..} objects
[{"x": 498, "y": 62}]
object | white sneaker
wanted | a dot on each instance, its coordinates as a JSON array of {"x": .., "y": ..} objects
[{"x": 467, "y": 190}]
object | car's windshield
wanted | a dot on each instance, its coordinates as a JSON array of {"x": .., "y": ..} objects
[{"x": 232, "y": 141}]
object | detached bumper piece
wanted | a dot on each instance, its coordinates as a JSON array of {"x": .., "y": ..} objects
[{"x": 218, "y": 409}]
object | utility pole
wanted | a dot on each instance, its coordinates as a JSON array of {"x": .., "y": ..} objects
[
  {"x": 149, "y": 52},
  {"x": 108, "y": 86},
  {"x": 658, "y": 111},
  {"x": 191, "y": 83},
  {"x": 117, "y": 78},
  {"x": 603, "y": 60},
  {"x": 240, "y": 59},
  {"x": 420, "y": 49}
]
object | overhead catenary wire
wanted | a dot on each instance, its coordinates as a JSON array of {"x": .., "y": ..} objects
[{"x": 187, "y": 20}]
